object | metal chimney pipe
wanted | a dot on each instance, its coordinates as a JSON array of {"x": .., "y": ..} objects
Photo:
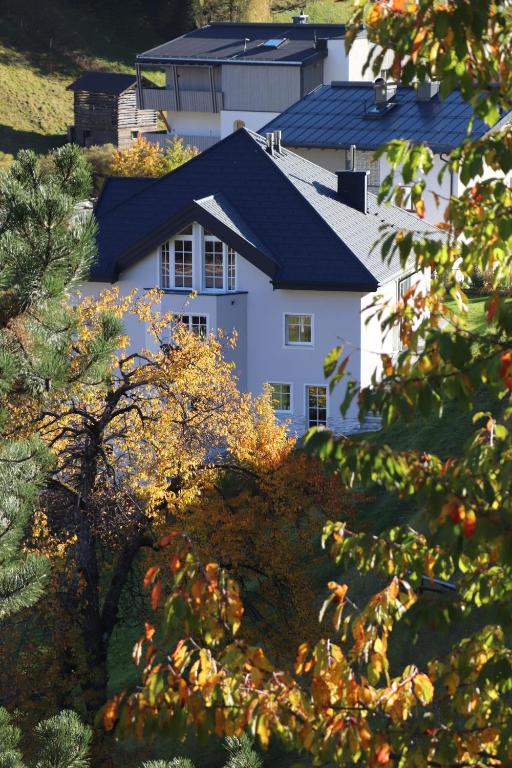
[
  {"x": 277, "y": 141},
  {"x": 270, "y": 143}
]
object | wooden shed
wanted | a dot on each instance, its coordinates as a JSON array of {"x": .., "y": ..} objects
[{"x": 105, "y": 109}]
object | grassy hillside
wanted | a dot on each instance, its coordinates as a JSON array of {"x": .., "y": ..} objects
[
  {"x": 46, "y": 45},
  {"x": 320, "y": 11},
  {"x": 43, "y": 47}
]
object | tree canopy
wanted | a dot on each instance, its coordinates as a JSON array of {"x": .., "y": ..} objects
[{"x": 348, "y": 699}]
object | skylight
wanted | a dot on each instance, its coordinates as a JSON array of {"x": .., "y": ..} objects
[{"x": 274, "y": 42}]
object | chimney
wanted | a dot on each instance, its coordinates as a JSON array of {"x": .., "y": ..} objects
[
  {"x": 270, "y": 143},
  {"x": 321, "y": 43},
  {"x": 383, "y": 90},
  {"x": 353, "y": 189},
  {"x": 427, "y": 90},
  {"x": 302, "y": 18},
  {"x": 277, "y": 141}
]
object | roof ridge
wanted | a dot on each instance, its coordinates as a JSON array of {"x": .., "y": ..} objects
[
  {"x": 160, "y": 179},
  {"x": 309, "y": 204}
]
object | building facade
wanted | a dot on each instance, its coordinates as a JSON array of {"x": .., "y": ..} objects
[
  {"x": 275, "y": 249},
  {"x": 226, "y": 76},
  {"x": 342, "y": 124}
]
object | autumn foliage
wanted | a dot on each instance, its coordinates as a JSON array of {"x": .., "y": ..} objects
[{"x": 146, "y": 158}]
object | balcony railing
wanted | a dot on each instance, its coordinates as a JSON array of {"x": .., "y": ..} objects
[{"x": 186, "y": 100}]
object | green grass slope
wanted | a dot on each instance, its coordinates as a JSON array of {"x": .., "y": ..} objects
[{"x": 44, "y": 46}]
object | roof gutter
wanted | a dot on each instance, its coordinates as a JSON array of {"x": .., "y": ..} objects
[{"x": 166, "y": 60}]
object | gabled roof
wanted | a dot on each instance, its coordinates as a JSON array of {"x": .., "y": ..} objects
[
  {"x": 333, "y": 117},
  {"x": 113, "y": 83},
  {"x": 226, "y": 43},
  {"x": 280, "y": 212}
]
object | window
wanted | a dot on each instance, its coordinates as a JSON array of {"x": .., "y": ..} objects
[
  {"x": 298, "y": 329},
  {"x": 213, "y": 265},
  {"x": 176, "y": 261},
  {"x": 183, "y": 263},
  {"x": 281, "y": 397},
  {"x": 316, "y": 404},
  {"x": 165, "y": 266},
  {"x": 231, "y": 269},
  {"x": 196, "y": 324},
  {"x": 219, "y": 264},
  {"x": 406, "y": 199}
]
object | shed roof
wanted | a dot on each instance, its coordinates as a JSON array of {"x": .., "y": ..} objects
[
  {"x": 334, "y": 117},
  {"x": 226, "y": 42},
  {"x": 114, "y": 83},
  {"x": 279, "y": 211}
]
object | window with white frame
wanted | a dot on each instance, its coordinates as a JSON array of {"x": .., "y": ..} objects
[
  {"x": 298, "y": 330},
  {"x": 196, "y": 324},
  {"x": 406, "y": 198},
  {"x": 176, "y": 261},
  {"x": 219, "y": 264},
  {"x": 213, "y": 264},
  {"x": 231, "y": 269},
  {"x": 281, "y": 395},
  {"x": 316, "y": 406}
]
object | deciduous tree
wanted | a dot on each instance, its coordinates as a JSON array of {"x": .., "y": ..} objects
[
  {"x": 347, "y": 700},
  {"x": 145, "y": 158}
]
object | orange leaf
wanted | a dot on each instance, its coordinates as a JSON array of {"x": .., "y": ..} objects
[
  {"x": 155, "y": 595},
  {"x": 383, "y": 754},
  {"x": 151, "y": 575},
  {"x": 420, "y": 209},
  {"x": 149, "y": 630},
  {"x": 491, "y": 310}
]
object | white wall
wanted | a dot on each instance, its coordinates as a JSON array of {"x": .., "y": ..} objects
[
  {"x": 194, "y": 123},
  {"x": 434, "y": 210},
  {"x": 340, "y": 66},
  {"x": 332, "y": 159},
  {"x": 336, "y": 320},
  {"x": 253, "y": 120}
]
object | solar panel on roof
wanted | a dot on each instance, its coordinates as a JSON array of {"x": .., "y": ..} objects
[{"x": 274, "y": 42}]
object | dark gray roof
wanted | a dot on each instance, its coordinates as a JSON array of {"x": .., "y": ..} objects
[
  {"x": 114, "y": 83},
  {"x": 281, "y": 212},
  {"x": 223, "y": 42},
  {"x": 333, "y": 116}
]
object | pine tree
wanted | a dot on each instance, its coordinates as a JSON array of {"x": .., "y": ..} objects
[
  {"x": 62, "y": 742},
  {"x": 41, "y": 256},
  {"x": 45, "y": 249},
  {"x": 241, "y": 753}
]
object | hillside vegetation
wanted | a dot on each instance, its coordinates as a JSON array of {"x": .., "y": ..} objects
[{"x": 45, "y": 46}]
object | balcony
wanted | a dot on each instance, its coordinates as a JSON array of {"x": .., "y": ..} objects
[{"x": 185, "y": 100}]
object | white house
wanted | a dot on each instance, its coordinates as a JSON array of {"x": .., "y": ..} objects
[
  {"x": 340, "y": 125},
  {"x": 226, "y": 75},
  {"x": 277, "y": 248}
]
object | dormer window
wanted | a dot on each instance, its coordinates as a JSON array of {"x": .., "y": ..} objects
[
  {"x": 219, "y": 264},
  {"x": 176, "y": 261},
  {"x": 196, "y": 258}
]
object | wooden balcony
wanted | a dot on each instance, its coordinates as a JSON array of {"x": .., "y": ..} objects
[{"x": 165, "y": 99}]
